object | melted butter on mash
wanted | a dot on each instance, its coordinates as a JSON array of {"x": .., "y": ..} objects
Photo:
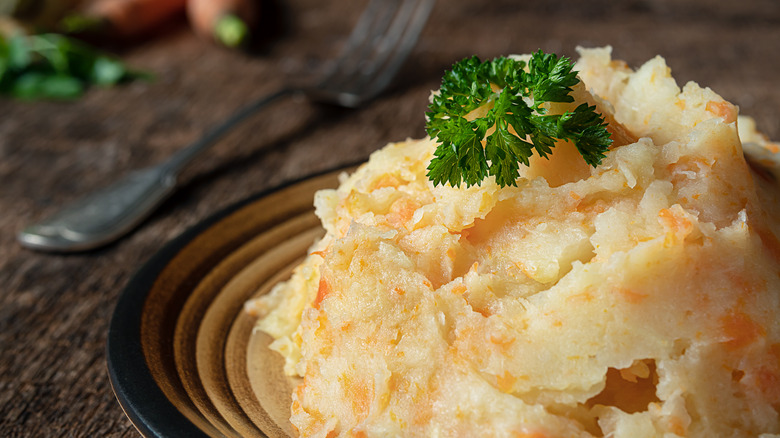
[{"x": 640, "y": 298}]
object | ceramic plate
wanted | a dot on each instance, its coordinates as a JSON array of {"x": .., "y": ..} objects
[{"x": 179, "y": 341}]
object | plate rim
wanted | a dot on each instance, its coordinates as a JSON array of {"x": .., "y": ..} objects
[{"x": 141, "y": 399}]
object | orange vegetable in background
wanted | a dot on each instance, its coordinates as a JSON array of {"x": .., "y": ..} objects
[
  {"x": 125, "y": 19},
  {"x": 227, "y": 22}
]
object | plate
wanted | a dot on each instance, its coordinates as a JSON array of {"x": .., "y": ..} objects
[{"x": 179, "y": 340}]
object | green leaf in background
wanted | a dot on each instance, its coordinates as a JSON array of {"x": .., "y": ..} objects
[
  {"x": 19, "y": 55},
  {"x": 53, "y": 66},
  {"x": 34, "y": 85},
  {"x": 4, "y": 49},
  {"x": 61, "y": 87},
  {"x": 107, "y": 71},
  {"x": 55, "y": 49},
  {"x": 26, "y": 86}
]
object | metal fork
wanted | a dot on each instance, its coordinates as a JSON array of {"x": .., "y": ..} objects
[{"x": 381, "y": 41}]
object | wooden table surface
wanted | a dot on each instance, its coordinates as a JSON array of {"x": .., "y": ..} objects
[{"x": 55, "y": 309}]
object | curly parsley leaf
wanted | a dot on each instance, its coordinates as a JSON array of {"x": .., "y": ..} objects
[{"x": 515, "y": 93}]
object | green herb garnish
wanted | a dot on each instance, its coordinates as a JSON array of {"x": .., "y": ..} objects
[
  {"x": 52, "y": 66},
  {"x": 514, "y": 95}
]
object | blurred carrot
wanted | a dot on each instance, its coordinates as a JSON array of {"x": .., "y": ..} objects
[
  {"x": 126, "y": 19},
  {"x": 227, "y": 22}
]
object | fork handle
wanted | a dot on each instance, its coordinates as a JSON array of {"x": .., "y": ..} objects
[
  {"x": 179, "y": 160},
  {"x": 108, "y": 214}
]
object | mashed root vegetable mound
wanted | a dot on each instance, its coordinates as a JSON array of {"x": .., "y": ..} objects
[{"x": 640, "y": 298}]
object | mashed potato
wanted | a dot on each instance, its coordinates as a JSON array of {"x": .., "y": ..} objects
[{"x": 637, "y": 299}]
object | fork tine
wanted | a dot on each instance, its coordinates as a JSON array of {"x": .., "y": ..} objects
[
  {"x": 372, "y": 22},
  {"x": 403, "y": 45},
  {"x": 393, "y": 35}
]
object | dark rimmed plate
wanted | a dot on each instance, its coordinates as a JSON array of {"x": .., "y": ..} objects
[{"x": 178, "y": 341}]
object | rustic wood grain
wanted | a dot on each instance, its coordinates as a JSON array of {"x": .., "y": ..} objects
[{"x": 55, "y": 309}]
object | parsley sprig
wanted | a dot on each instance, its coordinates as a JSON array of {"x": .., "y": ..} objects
[
  {"x": 515, "y": 92},
  {"x": 53, "y": 66}
]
